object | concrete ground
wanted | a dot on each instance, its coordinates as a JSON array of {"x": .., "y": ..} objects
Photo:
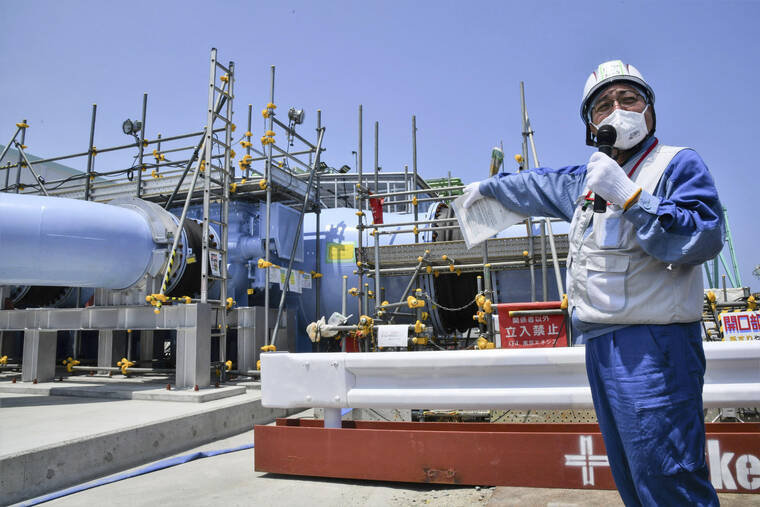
[
  {"x": 48, "y": 443},
  {"x": 230, "y": 480}
]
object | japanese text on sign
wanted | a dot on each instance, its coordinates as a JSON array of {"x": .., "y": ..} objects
[
  {"x": 530, "y": 331},
  {"x": 740, "y": 326}
]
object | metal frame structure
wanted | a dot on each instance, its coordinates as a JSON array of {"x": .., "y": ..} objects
[{"x": 210, "y": 160}]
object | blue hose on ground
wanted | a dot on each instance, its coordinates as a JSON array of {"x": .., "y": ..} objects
[{"x": 159, "y": 465}]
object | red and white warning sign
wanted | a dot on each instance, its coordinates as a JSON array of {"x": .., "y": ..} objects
[
  {"x": 740, "y": 326},
  {"x": 531, "y": 331}
]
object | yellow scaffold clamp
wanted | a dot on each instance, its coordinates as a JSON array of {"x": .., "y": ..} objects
[
  {"x": 268, "y": 111},
  {"x": 225, "y": 78},
  {"x": 228, "y": 365},
  {"x": 751, "y": 304},
  {"x": 268, "y": 137},
  {"x": 125, "y": 364},
  {"x": 419, "y": 327},
  {"x": 158, "y": 156},
  {"x": 262, "y": 264},
  {"x": 269, "y": 348},
  {"x": 414, "y": 201},
  {"x": 353, "y": 291},
  {"x": 484, "y": 303},
  {"x": 233, "y": 188},
  {"x": 4, "y": 360},
  {"x": 314, "y": 274},
  {"x": 22, "y": 125},
  {"x": 711, "y": 298},
  {"x": 480, "y": 317},
  {"x": 564, "y": 303},
  {"x": 413, "y": 302},
  {"x": 420, "y": 340},
  {"x": 69, "y": 363},
  {"x": 230, "y": 303},
  {"x": 364, "y": 328},
  {"x": 156, "y": 174},
  {"x": 246, "y": 144},
  {"x": 263, "y": 184},
  {"x": 484, "y": 344}
]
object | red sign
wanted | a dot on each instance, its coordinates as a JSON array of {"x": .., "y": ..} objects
[{"x": 531, "y": 331}]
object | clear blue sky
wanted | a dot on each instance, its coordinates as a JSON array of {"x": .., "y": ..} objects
[{"x": 457, "y": 66}]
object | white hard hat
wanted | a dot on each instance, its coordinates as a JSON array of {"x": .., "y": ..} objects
[{"x": 610, "y": 72}]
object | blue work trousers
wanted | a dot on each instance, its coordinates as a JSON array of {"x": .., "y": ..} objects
[{"x": 646, "y": 382}]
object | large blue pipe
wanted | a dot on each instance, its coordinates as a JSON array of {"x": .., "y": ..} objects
[{"x": 65, "y": 242}]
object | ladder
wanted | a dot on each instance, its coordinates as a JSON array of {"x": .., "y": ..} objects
[
  {"x": 214, "y": 169},
  {"x": 217, "y": 179}
]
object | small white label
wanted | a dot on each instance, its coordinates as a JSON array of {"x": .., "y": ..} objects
[
  {"x": 215, "y": 259},
  {"x": 274, "y": 274},
  {"x": 306, "y": 280},
  {"x": 393, "y": 335}
]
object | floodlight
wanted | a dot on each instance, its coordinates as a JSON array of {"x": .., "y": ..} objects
[
  {"x": 344, "y": 169},
  {"x": 131, "y": 127},
  {"x": 296, "y": 115}
]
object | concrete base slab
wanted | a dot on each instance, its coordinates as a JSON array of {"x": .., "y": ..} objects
[
  {"x": 51, "y": 442},
  {"x": 122, "y": 391}
]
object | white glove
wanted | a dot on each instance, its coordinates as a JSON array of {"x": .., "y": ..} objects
[
  {"x": 472, "y": 193},
  {"x": 607, "y": 179}
]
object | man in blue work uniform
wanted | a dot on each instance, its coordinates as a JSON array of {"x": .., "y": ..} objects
[{"x": 634, "y": 285}]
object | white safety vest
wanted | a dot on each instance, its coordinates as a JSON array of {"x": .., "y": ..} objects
[{"x": 612, "y": 280}]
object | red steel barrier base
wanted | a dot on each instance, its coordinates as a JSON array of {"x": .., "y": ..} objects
[{"x": 531, "y": 455}]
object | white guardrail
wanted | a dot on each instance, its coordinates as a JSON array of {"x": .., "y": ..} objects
[{"x": 483, "y": 379}]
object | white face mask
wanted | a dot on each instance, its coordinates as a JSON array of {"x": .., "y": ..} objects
[{"x": 631, "y": 127}]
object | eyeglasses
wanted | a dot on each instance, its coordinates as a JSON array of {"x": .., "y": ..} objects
[{"x": 604, "y": 106}]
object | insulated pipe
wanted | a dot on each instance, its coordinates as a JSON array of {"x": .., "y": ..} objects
[{"x": 65, "y": 242}]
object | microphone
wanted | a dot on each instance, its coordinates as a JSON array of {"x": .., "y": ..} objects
[{"x": 605, "y": 139}]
